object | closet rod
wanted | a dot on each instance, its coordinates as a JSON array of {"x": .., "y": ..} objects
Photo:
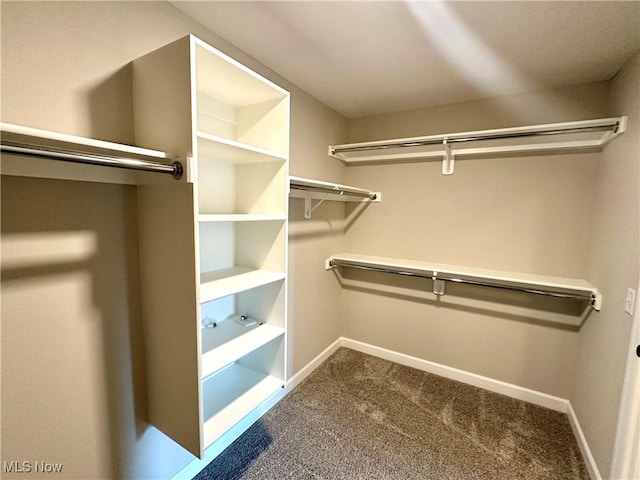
[
  {"x": 586, "y": 296},
  {"x": 336, "y": 190},
  {"x": 175, "y": 169},
  {"x": 614, "y": 126}
]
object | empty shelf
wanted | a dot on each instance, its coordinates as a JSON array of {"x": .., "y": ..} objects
[
  {"x": 230, "y": 341},
  {"x": 220, "y": 148},
  {"x": 220, "y": 283},
  {"x": 232, "y": 394},
  {"x": 240, "y": 217}
]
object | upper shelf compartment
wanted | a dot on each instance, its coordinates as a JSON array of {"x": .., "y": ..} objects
[
  {"x": 567, "y": 136},
  {"x": 31, "y": 152},
  {"x": 234, "y": 103}
]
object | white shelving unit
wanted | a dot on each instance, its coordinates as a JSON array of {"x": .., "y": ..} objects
[
  {"x": 438, "y": 272},
  {"x": 547, "y": 138},
  {"x": 216, "y": 248},
  {"x": 310, "y": 189}
]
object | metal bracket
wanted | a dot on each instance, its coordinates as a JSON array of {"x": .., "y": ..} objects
[
  {"x": 328, "y": 264},
  {"x": 596, "y": 301},
  {"x": 438, "y": 284},
  {"x": 448, "y": 162},
  {"x": 308, "y": 208}
]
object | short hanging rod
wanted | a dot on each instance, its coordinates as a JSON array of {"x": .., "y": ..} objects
[
  {"x": 613, "y": 126},
  {"x": 175, "y": 169},
  {"x": 336, "y": 190}
]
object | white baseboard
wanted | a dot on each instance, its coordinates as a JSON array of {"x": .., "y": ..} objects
[
  {"x": 313, "y": 364},
  {"x": 514, "y": 391},
  {"x": 589, "y": 461}
]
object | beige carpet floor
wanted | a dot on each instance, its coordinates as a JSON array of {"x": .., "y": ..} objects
[{"x": 360, "y": 417}]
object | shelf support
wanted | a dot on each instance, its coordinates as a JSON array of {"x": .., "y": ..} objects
[
  {"x": 448, "y": 162},
  {"x": 308, "y": 207},
  {"x": 438, "y": 285}
]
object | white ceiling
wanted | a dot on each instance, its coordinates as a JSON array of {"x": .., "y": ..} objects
[{"x": 368, "y": 57}]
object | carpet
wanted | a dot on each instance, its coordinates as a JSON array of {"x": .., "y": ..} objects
[{"x": 361, "y": 417}]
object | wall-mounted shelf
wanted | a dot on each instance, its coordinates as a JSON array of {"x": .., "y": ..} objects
[
  {"x": 309, "y": 189},
  {"x": 441, "y": 273},
  {"x": 547, "y": 138},
  {"x": 31, "y": 152}
]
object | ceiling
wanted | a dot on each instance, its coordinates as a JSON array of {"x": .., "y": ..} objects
[{"x": 368, "y": 57}]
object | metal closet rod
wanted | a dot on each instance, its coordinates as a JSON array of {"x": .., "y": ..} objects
[
  {"x": 494, "y": 136},
  {"x": 175, "y": 169},
  {"x": 336, "y": 190},
  {"x": 587, "y": 295}
]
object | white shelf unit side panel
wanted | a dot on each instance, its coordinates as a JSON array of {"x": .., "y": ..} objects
[
  {"x": 557, "y": 284},
  {"x": 163, "y": 99},
  {"x": 235, "y": 342},
  {"x": 169, "y": 280}
]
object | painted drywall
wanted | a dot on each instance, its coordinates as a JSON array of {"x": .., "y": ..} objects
[
  {"x": 528, "y": 214},
  {"x": 73, "y": 375},
  {"x": 614, "y": 262}
]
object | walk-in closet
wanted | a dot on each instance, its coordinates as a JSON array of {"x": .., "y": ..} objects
[{"x": 331, "y": 240}]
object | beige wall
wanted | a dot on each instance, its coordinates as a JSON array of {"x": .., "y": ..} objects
[
  {"x": 527, "y": 214},
  {"x": 73, "y": 381},
  {"x": 614, "y": 263},
  {"x": 567, "y": 215}
]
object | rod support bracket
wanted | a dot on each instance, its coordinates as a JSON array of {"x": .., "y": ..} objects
[
  {"x": 448, "y": 162},
  {"x": 309, "y": 208},
  {"x": 596, "y": 300},
  {"x": 438, "y": 285}
]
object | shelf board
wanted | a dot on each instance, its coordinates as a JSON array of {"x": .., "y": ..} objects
[
  {"x": 559, "y": 285},
  {"x": 240, "y": 217},
  {"x": 232, "y": 394},
  {"x": 547, "y": 138},
  {"x": 230, "y": 341},
  {"x": 228, "y": 281},
  {"x": 220, "y": 148}
]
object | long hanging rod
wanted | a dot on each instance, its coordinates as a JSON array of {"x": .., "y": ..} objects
[
  {"x": 613, "y": 126},
  {"x": 176, "y": 169},
  {"x": 586, "y": 296},
  {"x": 336, "y": 190}
]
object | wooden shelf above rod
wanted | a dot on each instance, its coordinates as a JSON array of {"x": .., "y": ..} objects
[
  {"x": 308, "y": 189},
  {"x": 546, "y": 138},
  {"x": 440, "y": 273}
]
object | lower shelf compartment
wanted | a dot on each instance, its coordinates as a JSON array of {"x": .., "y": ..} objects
[
  {"x": 230, "y": 395},
  {"x": 230, "y": 341}
]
